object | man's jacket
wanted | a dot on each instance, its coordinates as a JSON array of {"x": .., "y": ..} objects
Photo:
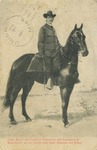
[{"x": 48, "y": 43}]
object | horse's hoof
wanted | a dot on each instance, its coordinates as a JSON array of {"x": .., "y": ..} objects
[
  {"x": 77, "y": 81},
  {"x": 13, "y": 122},
  {"x": 66, "y": 125},
  {"x": 28, "y": 119}
]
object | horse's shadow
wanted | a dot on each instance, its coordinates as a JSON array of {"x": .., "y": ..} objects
[
  {"x": 73, "y": 117},
  {"x": 77, "y": 117}
]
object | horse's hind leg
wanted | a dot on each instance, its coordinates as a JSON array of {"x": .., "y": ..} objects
[
  {"x": 13, "y": 97},
  {"x": 26, "y": 89}
]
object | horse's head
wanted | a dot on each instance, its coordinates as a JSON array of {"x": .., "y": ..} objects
[{"x": 77, "y": 37}]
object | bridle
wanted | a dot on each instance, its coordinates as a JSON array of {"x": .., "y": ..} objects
[
  {"x": 76, "y": 41},
  {"x": 79, "y": 41},
  {"x": 62, "y": 53}
]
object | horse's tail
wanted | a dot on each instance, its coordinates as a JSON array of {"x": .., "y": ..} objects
[{"x": 9, "y": 88}]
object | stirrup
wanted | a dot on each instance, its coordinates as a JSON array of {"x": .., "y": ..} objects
[{"x": 49, "y": 88}]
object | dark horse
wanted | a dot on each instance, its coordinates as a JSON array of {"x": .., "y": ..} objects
[{"x": 65, "y": 76}]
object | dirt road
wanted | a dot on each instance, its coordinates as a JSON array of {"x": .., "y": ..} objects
[{"x": 45, "y": 112}]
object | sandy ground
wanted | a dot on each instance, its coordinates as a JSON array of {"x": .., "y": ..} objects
[{"x": 45, "y": 112}]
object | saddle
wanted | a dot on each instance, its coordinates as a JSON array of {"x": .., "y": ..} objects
[{"x": 38, "y": 64}]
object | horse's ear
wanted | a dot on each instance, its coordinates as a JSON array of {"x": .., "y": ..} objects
[
  {"x": 81, "y": 26},
  {"x": 75, "y": 26}
]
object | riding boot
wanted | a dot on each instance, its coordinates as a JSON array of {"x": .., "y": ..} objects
[{"x": 49, "y": 84}]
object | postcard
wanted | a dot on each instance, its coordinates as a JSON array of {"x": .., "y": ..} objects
[{"x": 48, "y": 68}]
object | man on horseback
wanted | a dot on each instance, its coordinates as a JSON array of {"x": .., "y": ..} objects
[
  {"x": 48, "y": 46},
  {"x": 48, "y": 43}
]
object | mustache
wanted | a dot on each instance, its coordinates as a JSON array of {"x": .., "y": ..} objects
[{"x": 50, "y": 20}]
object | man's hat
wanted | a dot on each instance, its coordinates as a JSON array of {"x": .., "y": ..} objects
[{"x": 49, "y": 13}]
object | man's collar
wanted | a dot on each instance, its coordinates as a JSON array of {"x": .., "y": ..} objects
[{"x": 49, "y": 24}]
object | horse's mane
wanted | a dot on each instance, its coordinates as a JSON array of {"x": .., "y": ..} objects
[{"x": 68, "y": 42}]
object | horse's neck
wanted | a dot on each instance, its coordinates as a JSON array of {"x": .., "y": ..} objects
[{"x": 71, "y": 53}]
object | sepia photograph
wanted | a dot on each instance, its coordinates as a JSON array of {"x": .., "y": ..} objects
[{"x": 48, "y": 84}]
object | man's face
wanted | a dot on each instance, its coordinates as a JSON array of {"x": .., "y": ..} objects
[{"x": 49, "y": 19}]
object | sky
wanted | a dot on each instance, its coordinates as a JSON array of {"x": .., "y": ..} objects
[{"x": 68, "y": 13}]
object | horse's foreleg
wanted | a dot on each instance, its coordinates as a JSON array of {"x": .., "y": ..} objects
[
  {"x": 65, "y": 95},
  {"x": 13, "y": 97}
]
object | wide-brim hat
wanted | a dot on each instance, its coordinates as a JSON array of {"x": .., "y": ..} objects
[{"x": 49, "y": 13}]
